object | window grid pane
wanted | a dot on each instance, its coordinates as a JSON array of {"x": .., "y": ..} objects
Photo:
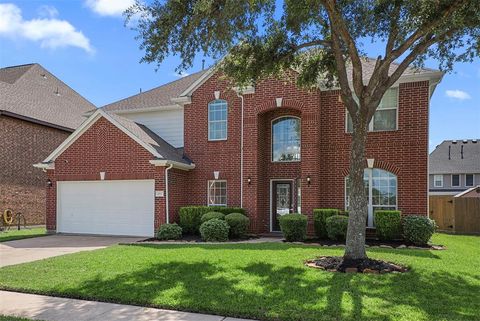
[
  {"x": 217, "y": 120},
  {"x": 217, "y": 193},
  {"x": 469, "y": 180},
  {"x": 286, "y": 139}
]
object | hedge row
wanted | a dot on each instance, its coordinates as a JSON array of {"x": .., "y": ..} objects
[{"x": 191, "y": 216}]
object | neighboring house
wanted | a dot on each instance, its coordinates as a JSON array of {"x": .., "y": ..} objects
[
  {"x": 454, "y": 166},
  {"x": 37, "y": 113},
  {"x": 271, "y": 148}
]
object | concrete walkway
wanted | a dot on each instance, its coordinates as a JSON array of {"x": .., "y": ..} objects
[
  {"x": 32, "y": 249},
  {"x": 40, "y": 307}
]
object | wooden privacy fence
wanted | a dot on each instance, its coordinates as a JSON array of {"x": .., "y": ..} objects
[{"x": 456, "y": 214}]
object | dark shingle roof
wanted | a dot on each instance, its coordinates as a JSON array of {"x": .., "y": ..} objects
[
  {"x": 439, "y": 162},
  {"x": 33, "y": 92},
  {"x": 167, "y": 151},
  {"x": 156, "y": 97}
]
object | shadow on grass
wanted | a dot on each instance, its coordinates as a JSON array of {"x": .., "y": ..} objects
[{"x": 266, "y": 291}]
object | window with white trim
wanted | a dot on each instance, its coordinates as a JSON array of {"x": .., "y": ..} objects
[
  {"x": 217, "y": 193},
  {"x": 286, "y": 139},
  {"x": 469, "y": 181},
  {"x": 385, "y": 118},
  {"x": 455, "y": 180},
  {"x": 438, "y": 180},
  {"x": 217, "y": 120}
]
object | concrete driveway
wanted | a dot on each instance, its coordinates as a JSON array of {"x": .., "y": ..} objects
[{"x": 33, "y": 249}]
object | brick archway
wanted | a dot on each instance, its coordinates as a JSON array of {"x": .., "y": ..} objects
[
  {"x": 378, "y": 164},
  {"x": 288, "y": 104}
]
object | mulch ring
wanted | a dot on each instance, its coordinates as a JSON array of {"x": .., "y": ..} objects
[{"x": 338, "y": 264}]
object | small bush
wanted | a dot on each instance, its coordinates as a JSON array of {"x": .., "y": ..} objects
[
  {"x": 388, "y": 224},
  {"x": 418, "y": 229},
  {"x": 169, "y": 232},
  {"x": 238, "y": 224},
  {"x": 214, "y": 230},
  {"x": 319, "y": 220},
  {"x": 294, "y": 227},
  {"x": 337, "y": 227},
  {"x": 191, "y": 216},
  {"x": 211, "y": 215}
]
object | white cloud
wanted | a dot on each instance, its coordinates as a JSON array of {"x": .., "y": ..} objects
[
  {"x": 49, "y": 32},
  {"x": 109, "y": 7},
  {"x": 457, "y": 94},
  {"x": 47, "y": 11},
  {"x": 181, "y": 74}
]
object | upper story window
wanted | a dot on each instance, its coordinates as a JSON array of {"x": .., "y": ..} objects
[
  {"x": 455, "y": 180},
  {"x": 438, "y": 180},
  {"x": 286, "y": 139},
  {"x": 385, "y": 118},
  {"x": 469, "y": 180},
  {"x": 217, "y": 193},
  {"x": 217, "y": 120}
]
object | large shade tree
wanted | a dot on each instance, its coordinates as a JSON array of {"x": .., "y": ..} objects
[{"x": 323, "y": 41}]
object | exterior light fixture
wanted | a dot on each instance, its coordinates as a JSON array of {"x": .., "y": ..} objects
[
  {"x": 309, "y": 180},
  {"x": 249, "y": 181},
  {"x": 49, "y": 183}
]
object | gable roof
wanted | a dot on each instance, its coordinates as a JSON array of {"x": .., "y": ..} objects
[
  {"x": 440, "y": 163},
  {"x": 157, "y": 97},
  {"x": 159, "y": 148},
  {"x": 167, "y": 94},
  {"x": 33, "y": 93}
]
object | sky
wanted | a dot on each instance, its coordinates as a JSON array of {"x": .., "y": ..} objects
[{"x": 86, "y": 44}]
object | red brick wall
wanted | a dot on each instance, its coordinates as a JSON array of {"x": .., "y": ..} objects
[
  {"x": 22, "y": 187},
  {"x": 105, "y": 148},
  {"x": 324, "y": 152}
]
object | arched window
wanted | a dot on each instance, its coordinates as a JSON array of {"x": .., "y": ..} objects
[
  {"x": 286, "y": 139},
  {"x": 381, "y": 190},
  {"x": 217, "y": 120}
]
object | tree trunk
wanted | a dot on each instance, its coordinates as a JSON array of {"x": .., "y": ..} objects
[{"x": 358, "y": 207}]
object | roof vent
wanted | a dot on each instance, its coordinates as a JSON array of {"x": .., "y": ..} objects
[
  {"x": 56, "y": 92},
  {"x": 454, "y": 141},
  {"x": 44, "y": 76}
]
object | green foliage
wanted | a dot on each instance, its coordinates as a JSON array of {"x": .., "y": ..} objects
[
  {"x": 214, "y": 230},
  {"x": 418, "y": 229},
  {"x": 337, "y": 227},
  {"x": 191, "y": 216},
  {"x": 169, "y": 232},
  {"x": 211, "y": 215},
  {"x": 294, "y": 227},
  {"x": 388, "y": 224},
  {"x": 238, "y": 224},
  {"x": 320, "y": 216}
]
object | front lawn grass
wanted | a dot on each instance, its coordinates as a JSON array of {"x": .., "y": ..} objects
[
  {"x": 265, "y": 281},
  {"x": 14, "y": 234}
]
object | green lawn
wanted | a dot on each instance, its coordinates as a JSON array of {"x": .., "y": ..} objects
[
  {"x": 10, "y": 318},
  {"x": 14, "y": 234},
  {"x": 266, "y": 281}
]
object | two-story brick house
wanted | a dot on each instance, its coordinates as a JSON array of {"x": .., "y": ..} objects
[{"x": 272, "y": 148}]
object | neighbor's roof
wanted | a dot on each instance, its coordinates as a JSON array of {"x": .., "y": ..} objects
[
  {"x": 156, "y": 97},
  {"x": 440, "y": 163},
  {"x": 162, "y": 96},
  {"x": 32, "y": 92}
]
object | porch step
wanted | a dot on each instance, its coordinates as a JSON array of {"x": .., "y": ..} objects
[{"x": 371, "y": 233}]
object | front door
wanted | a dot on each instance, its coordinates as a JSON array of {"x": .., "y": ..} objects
[{"x": 282, "y": 202}]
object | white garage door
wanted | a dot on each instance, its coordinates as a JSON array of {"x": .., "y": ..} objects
[{"x": 106, "y": 207}]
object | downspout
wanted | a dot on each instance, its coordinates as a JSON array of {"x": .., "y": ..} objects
[
  {"x": 241, "y": 154},
  {"x": 167, "y": 215}
]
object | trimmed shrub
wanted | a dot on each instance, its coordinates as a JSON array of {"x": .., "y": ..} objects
[
  {"x": 169, "y": 232},
  {"x": 337, "y": 227},
  {"x": 238, "y": 224},
  {"x": 191, "y": 216},
  {"x": 418, "y": 229},
  {"x": 388, "y": 224},
  {"x": 211, "y": 215},
  {"x": 320, "y": 216},
  {"x": 294, "y": 227},
  {"x": 214, "y": 230}
]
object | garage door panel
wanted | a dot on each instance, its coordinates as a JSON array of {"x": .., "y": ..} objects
[{"x": 106, "y": 207}]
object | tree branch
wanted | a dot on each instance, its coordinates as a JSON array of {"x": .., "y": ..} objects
[{"x": 313, "y": 43}]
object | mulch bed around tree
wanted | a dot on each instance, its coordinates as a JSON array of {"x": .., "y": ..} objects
[
  {"x": 338, "y": 264},
  {"x": 395, "y": 244}
]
